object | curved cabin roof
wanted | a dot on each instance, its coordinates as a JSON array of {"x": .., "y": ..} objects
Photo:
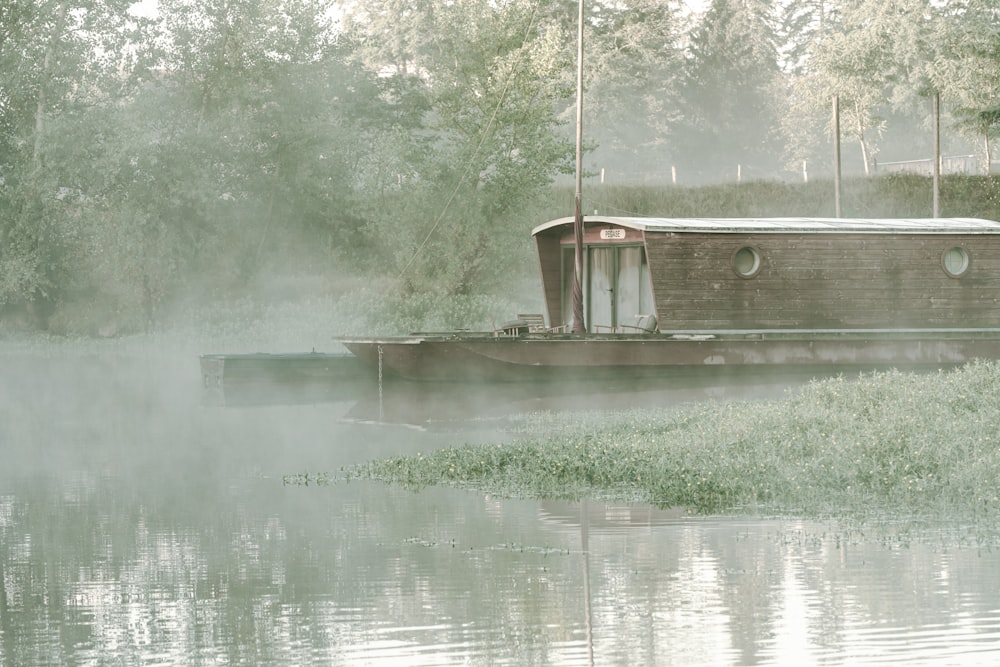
[{"x": 790, "y": 225}]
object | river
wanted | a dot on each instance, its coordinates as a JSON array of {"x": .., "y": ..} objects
[{"x": 140, "y": 525}]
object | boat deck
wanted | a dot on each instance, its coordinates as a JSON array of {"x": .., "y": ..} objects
[{"x": 689, "y": 334}]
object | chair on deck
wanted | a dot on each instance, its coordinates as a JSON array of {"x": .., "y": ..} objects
[
  {"x": 534, "y": 321},
  {"x": 643, "y": 324},
  {"x": 536, "y": 324}
]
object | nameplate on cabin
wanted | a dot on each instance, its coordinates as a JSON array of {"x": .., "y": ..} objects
[{"x": 612, "y": 234}]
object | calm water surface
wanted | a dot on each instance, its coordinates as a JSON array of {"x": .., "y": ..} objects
[{"x": 139, "y": 526}]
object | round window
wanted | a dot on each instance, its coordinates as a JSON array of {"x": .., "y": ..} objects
[
  {"x": 746, "y": 262},
  {"x": 955, "y": 261}
]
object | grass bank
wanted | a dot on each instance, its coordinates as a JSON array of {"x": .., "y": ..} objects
[
  {"x": 889, "y": 444},
  {"x": 890, "y": 196}
]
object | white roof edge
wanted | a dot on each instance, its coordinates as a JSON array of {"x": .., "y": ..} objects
[
  {"x": 789, "y": 225},
  {"x": 634, "y": 223}
]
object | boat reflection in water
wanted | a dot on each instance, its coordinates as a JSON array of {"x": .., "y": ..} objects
[{"x": 437, "y": 405}]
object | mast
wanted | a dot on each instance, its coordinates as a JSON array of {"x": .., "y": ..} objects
[
  {"x": 836, "y": 155},
  {"x": 579, "y": 324},
  {"x": 936, "y": 108}
]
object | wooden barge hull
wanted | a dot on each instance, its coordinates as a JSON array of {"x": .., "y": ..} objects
[{"x": 547, "y": 357}]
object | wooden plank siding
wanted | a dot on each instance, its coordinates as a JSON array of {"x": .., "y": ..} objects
[
  {"x": 827, "y": 280},
  {"x": 550, "y": 265}
]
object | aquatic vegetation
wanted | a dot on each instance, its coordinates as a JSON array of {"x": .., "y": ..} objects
[{"x": 910, "y": 445}]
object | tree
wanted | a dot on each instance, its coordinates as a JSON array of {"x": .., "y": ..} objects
[
  {"x": 968, "y": 71},
  {"x": 728, "y": 95},
  {"x": 264, "y": 121},
  {"x": 58, "y": 58},
  {"x": 146, "y": 153},
  {"x": 632, "y": 71},
  {"x": 801, "y": 23},
  {"x": 486, "y": 77},
  {"x": 877, "y": 57}
]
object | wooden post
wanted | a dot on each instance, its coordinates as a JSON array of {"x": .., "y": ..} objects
[{"x": 836, "y": 155}]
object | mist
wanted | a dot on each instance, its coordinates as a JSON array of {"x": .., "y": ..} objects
[{"x": 191, "y": 178}]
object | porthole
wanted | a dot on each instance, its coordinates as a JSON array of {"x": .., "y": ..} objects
[
  {"x": 955, "y": 261},
  {"x": 746, "y": 262}
]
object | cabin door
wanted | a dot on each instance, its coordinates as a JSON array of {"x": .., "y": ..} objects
[{"x": 616, "y": 287}]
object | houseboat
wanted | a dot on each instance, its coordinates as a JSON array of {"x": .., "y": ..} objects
[{"x": 665, "y": 297}]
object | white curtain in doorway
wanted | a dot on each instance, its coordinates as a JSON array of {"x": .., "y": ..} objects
[
  {"x": 627, "y": 294},
  {"x": 601, "y": 265}
]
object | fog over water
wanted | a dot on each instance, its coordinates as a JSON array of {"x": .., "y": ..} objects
[{"x": 139, "y": 525}]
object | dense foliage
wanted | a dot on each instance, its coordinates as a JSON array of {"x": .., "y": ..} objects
[
  {"x": 890, "y": 444},
  {"x": 148, "y": 158}
]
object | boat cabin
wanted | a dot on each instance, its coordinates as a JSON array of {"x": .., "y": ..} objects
[{"x": 686, "y": 274}]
